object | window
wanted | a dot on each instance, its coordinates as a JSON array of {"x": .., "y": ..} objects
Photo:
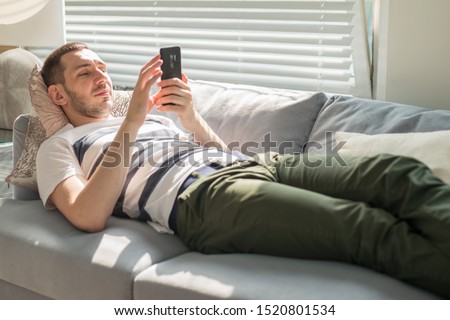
[{"x": 314, "y": 45}]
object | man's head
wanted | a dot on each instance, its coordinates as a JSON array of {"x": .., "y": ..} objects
[{"x": 78, "y": 81}]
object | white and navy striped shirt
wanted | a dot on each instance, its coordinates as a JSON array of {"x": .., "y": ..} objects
[{"x": 160, "y": 162}]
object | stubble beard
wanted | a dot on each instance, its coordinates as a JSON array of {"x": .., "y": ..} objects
[{"x": 81, "y": 105}]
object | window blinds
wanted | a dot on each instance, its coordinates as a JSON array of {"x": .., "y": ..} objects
[{"x": 313, "y": 45}]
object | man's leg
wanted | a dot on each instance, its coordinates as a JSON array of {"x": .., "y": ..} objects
[
  {"x": 402, "y": 186},
  {"x": 258, "y": 216}
]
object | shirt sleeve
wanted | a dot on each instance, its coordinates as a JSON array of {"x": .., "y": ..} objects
[{"x": 56, "y": 161}]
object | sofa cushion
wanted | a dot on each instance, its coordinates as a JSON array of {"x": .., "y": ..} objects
[
  {"x": 15, "y": 68},
  {"x": 250, "y": 276},
  {"x": 42, "y": 252},
  {"x": 350, "y": 114},
  {"x": 254, "y": 119},
  {"x": 9, "y": 291},
  {"x": 424, "y": 146}
]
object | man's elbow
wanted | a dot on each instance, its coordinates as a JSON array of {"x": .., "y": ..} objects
[
  {"x": 93, "y": 228},
  {"x": 89, "y": 223}
]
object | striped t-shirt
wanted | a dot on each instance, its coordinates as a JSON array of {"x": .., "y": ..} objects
[{"x": 162, "y": 158}]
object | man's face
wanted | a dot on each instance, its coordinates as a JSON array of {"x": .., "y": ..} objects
[{"x": 87, "y": 84}]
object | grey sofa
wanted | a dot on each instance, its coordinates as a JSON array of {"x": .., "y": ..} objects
[{"x": 43, "y": 257}]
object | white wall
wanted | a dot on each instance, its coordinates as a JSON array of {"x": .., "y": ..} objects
[{"x": 412, "y": 52}]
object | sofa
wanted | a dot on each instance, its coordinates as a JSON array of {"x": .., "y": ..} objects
[{"x": 42, "y": 256}]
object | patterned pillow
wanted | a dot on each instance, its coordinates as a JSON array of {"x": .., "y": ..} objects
[{"x": 47, "y": 118}]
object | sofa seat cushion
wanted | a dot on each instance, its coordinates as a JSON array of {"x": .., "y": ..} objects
[
  {"x": 40, "y": 251},
  {"x": 9, "y": 291},
  {"x": 244, "y": 276}
]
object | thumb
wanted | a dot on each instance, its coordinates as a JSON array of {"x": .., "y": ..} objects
[
  {"x": 184, "y": 77},
  {"x": 151, "y": 102}
]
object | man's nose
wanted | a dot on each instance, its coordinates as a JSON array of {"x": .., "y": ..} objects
[{"x": 101, "y": 76}]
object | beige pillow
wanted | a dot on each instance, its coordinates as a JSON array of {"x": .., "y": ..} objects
[
  {"x": 47, "y": 118},
  {"x": 432, "y": 148}
]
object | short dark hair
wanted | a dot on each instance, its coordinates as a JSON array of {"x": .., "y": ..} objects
[{"x": 52, "y": 70}]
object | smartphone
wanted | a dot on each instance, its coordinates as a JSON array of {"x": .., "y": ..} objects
[{"x": 171, "y": 67}]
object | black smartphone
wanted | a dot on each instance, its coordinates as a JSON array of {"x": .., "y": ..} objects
[{"x": 171, "y": 67}]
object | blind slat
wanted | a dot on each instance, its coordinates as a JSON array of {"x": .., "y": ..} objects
[
  {"x": 262, "y": 16},
  {"x": 247, "y": 35},
  {"x": 234, "y": 46},
  {"x": 219, "y": 5},
  {"x": 129, "y": 56}
]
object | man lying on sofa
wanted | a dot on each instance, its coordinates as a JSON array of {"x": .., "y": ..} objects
[{"x": 387, "y": 212}]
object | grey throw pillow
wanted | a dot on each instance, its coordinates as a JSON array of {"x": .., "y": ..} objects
[
  {"x": 352, "y": 114},
  {"x": 254, "y": 119}
]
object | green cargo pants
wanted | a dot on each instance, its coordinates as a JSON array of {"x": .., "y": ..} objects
[{"x": 387, "y": 213}]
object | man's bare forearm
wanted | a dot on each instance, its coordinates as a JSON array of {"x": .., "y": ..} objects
[
  {"x": 89, "y": 203},
  {"x": 107, "y": 181},
  {"x": 205, "y": 135}
]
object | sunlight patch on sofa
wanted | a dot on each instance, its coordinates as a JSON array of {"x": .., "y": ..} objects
[
  {"x": 192, "y": 282},
  {"x": 109, "y": 250}
]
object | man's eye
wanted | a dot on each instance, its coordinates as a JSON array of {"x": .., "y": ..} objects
[{"x": 83, "y": 74}]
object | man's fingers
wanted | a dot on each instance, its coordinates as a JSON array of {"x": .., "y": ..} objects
[
  {"x": 150, "y": 62},
  {"x": 150, "y": 72},
  {"x": 152, "y": 79},
  {"x": 174, "y": 82}
]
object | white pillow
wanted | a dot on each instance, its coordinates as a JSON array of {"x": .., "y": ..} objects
[{"x": 432, "y": 148}]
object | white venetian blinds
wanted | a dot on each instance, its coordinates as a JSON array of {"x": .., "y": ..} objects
[{"x": 315, "y": 45}]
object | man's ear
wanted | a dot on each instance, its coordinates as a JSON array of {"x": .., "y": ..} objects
[{"x": 57, "y": 94}]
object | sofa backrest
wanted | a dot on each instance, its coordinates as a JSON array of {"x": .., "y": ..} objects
[{"x": 249, "y": 119}]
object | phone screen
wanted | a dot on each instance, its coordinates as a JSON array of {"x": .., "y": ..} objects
[{"x": 171, "y": 66}]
